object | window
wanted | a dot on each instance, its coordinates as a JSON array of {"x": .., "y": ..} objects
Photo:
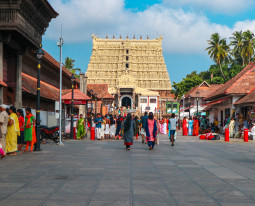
[
  {"x": 127, "y": 58},
  {"x": 153, "y": 101},
  {"x": 143, "y": 100},
  {"x": 127, "y": 66},
  {"x": 127, "y": 51}
]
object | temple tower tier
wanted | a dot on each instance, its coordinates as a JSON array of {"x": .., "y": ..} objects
[{"x": 132, "y": 68}]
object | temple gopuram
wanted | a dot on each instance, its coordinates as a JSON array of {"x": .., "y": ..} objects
[{"x": 134, "y": 70}]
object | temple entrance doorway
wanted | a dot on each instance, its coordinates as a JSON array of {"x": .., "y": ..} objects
[{"x": 126, "y": 102}]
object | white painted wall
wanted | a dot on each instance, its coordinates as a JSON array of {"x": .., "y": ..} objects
[
  {"x": 143, "y": 105},
  {"x": 151, "y": 105}
]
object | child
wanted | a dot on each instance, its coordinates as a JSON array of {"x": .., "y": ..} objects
[{"x": 1, "y": 151}]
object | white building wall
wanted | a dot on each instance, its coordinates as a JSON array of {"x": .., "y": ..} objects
[{"x": 148, "y": 103}]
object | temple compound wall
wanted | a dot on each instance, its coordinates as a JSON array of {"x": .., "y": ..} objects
[{"x": 134, "y": 70}]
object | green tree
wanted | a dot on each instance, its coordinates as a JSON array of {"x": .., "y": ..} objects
[
  {"x": 187, "y": 83},
  {"x": 69, "y": 63},
  {"x": 238, "y": 44},
  {"x": 218, "y": 51},
  {"x": 248, "y": 46}
]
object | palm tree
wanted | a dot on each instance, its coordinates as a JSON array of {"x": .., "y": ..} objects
[
  {"x": 249, "y": 45},
  {"x": 69, "y": 63},
  {"x": 218, "y": 50},
  {"x": 238, "y": 43}
]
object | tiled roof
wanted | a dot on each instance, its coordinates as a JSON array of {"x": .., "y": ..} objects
[
  {"x": 249, "y": 98},
  {"x": 204, "y": 90},
  {"x": 78, "y": 95},
  {"x": 3, "y": 84},
  {"x": 29, "y": 85},
  {"x": 242, "y": 83},
  {"x": 101, "y": 90},
  {"x": 55, "y": 63}
]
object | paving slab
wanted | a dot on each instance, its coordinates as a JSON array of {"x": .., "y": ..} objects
[{"x": 98, "y": 173}]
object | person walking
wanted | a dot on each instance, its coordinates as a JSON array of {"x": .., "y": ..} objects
[
  {"x": 172, "y": 126},
  {"x": 118, "y": 122},
  {"x": 144, "y": 122},
  {"x": 136, "y": 131},
  {"x": 184, "y": 127},
  {"x": 3, "y": 125},
  {"x": 98, "y": 121},
  {"x": 128, "y": 125},
  {"x": 13, "y": 132},
  {"x": 151, "y": 131},
  {"x": 107, "y": 127},
  {"x": 29, "y": 130},
  {"x": 81, "y": 132},
  {"x": 164, "y": 125},
  {"x": 21, "y": 127}
]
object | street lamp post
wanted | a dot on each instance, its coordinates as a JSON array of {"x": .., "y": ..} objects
[
  {"x": 72, "y": 80},
  {"x": 197, "y": 93},
  {"x": 183, "y": 104},
  {"x": 91, "y": 107},
  {"x": 189, "y": 105},
  {"x": 39, "y": 55},
  {"x": 179, "y": 120},
  {"x": 95, "y": 104}
]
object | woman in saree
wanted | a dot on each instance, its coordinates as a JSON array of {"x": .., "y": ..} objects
[
  {"x": 196, "y": 127},
  {"x": 128, "y": 126},
  {"x": 190, "y": 126},
  {"x": 81, "y": 132},
  {"x": 184, "y": 127},
  {"x": 29, "y": 130},
  {"x": 151, "y": 131},
  {"x": 13, "y": 132}
]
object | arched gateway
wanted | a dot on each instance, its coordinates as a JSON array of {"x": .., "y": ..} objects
[{"x": 126, "y": 101}]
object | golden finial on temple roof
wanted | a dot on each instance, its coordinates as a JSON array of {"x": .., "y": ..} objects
[
  {"x": 141, "y": 37},
  {"x": 120, "y": 37},
  {"x": 113, "y": 36},
  {"x": 134, "y": 37},
  {"x": 106, "y": 36},
  {"x": 127, "y": 37},
  {"x": 148, "y": 37}
]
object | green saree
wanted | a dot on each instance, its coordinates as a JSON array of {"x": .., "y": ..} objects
[{"x": 81, "y": 129}]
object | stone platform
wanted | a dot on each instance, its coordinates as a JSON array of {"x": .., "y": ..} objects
[{"x": 95, "y": 173}]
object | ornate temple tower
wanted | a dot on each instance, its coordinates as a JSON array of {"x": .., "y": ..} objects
[{"x": 133, "y": 68}]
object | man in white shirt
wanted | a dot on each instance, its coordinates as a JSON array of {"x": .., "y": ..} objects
[
  {"x": 3, "y": 125},
  {"x": 173, "y": 124}
]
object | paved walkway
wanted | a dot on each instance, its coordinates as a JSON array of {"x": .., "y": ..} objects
[{"x": 94, "y": 173}]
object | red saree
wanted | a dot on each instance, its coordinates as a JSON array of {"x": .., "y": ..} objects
[
  {"x": 184, "y": 127},
  {"x": 196, "y": 128}
]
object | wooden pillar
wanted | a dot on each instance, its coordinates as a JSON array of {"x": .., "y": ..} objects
[
  {"x": 133, "y": 106},
  {"x": 119, "y": 104},
  {"x": 1, "y": 71},
  {"x": 18, "y": 93}
]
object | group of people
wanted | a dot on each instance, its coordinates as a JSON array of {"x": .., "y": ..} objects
[
  {"x": 16, "y": 131},
  {"x": 191, "y": 126},
  {"x": 129, "y": 127},
  {"x": 236, "y": 130}
]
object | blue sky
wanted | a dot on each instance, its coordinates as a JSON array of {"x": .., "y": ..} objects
[{"x": 185, "y": 25}]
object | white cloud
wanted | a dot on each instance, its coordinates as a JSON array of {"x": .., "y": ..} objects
[
  {"x": 184, "y": 32},
  {"x": 217, "y": 6}
]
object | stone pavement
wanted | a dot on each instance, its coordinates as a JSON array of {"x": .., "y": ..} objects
[{"x": 95, "y": 173}]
